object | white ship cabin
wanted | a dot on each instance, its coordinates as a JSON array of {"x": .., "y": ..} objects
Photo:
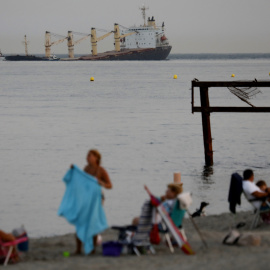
[{"x": 146, "y": 36}]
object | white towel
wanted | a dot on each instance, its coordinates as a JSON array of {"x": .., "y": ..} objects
[{"x": 185, "y": 200}]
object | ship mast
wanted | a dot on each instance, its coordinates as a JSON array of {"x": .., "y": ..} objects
[
  {"x": 143, "y": 9},
  {"x": 25, "y": 42}
]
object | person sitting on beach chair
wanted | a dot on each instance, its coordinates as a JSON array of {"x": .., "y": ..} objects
[
  {"x": 5, "y": 238},
  {"x": 168, "y": 200},
  {"x": 262, "y": 185},
  {"x": 264, "y": 207},
  {"x": 252, "y": 191},
  {"x": 258, "y": 195}
]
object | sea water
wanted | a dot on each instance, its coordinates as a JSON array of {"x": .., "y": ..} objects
[{"x": 139, "y": 118}]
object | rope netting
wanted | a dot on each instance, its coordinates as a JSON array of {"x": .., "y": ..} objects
[{"x": 245, "y": 93}]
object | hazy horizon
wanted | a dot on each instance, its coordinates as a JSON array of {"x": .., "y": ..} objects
[{"x": 209, "y": 26}]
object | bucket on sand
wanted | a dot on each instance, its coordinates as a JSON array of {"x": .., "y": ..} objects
[{"x": 111, "y": 248}]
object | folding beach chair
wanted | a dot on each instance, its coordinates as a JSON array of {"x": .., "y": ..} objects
[
  {"x": 234, "y": 198},
  {"x": 136, "y": 238},
  {"x": 177, "y": 216},
  {"x": 177, "y": 235},
  {"x": 6, "y": 249},
  {"x": 258, "y": 212}
]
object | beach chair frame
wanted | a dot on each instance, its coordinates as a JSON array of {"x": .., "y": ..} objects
[
  {"x": 6, "y": 248},
  {"x": 257, "y": 211}
]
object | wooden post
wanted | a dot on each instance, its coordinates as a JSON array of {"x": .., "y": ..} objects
[
  {"x": 205, "y": 108},
  {"x": 206, "y": 125}
]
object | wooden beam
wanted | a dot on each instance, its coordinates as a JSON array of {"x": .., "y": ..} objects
[
  {"x": 206, "y": 110},
  {"x": 231, "y": 83},
  {"x": 206, "y": 125},
  {"x": 232, "y": 109}
]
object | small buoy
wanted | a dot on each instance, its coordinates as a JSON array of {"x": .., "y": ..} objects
[
  {"x": 269, "y": 73},
  {"x": 92, "y": 79},
  {"x": 175, "y": 76},
  {"x": 233, "y": 75}
]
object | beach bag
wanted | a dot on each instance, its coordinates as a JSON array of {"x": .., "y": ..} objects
[
  {"x": 19, "y": 233},
  {"x": 154, "y": 235},
  {"x": 112, "y": 248}
]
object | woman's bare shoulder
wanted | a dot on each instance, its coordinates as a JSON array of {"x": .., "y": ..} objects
[{"x": 102, "y": 170}]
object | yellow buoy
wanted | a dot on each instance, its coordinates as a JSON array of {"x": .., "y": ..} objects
[
  {"x": 175, "y": 76},
  {"x": 92, "y": 79},
  {"x": 233, "y": 76},
  {"x": 269, "y": 73}
]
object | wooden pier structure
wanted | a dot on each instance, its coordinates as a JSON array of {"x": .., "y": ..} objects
[{"x": 205, "y": 109}]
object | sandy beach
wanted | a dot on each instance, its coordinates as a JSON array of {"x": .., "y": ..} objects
[{"x": 47, "y": 253}]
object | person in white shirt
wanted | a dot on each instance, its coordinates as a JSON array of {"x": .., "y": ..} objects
[{"x": 251, "y": 190}]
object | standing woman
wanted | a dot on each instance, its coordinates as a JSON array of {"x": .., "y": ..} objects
[{"x": 93, "y": 168}]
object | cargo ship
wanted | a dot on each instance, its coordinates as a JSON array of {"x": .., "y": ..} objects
[
  {"x": 145, "y": 42},
  {"x": 28, "y": 57}
]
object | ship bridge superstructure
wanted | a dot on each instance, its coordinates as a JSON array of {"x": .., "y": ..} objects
[{"x": 147, "y": 36}]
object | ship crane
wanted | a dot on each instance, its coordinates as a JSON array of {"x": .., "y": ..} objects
[
  {"x": 71, "y": 42},
  {"x": 95, "y": 40},
  {"x": 25, "y": 42},
  {"x": 48, "y": 42},
  {"x": 117, "y": 36}
]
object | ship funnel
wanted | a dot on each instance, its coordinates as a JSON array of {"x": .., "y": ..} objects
[{"x": 151, "y": 22}]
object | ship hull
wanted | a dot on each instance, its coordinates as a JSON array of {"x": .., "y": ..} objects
[
  {"x": 28, "y": 58},
  {"x": 159, "y": 53}
]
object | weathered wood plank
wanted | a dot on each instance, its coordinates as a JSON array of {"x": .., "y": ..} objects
[
  {"x": 232, "y": 109},
  {"x": 231, "y": 83}
]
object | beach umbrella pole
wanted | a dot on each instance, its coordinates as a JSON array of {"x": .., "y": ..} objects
[{"x": 197, "y": 229}]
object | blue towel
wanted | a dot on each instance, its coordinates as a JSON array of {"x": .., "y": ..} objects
[{"x": 82, "y": 207}]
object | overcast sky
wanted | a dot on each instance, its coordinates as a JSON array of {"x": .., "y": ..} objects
[{"x": 192, "y": 26}]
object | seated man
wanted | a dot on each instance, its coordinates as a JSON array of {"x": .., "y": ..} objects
[{"x": 251, "y": 190}]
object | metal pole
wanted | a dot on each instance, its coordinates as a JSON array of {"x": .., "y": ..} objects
[{"x": 197, "y": 229}]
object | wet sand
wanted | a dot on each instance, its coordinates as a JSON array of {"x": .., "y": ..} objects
[{"x": 47, "y": 253}]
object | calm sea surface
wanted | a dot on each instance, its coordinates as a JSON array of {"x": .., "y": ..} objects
[{"x": 139, "y": 118}]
